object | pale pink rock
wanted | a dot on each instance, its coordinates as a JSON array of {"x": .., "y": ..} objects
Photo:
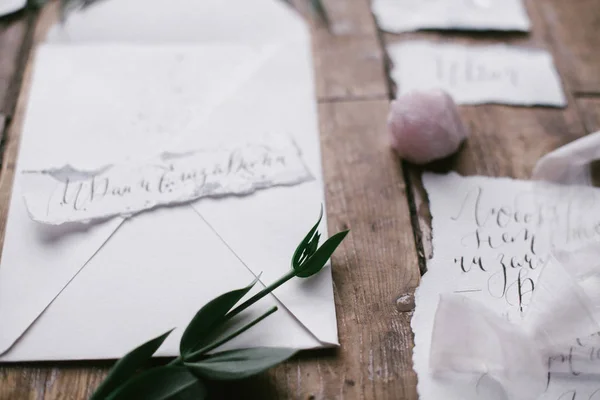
[{"x": 425, "y": 126}]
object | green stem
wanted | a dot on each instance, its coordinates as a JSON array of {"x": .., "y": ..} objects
[
  {"x": 260, "y": 294},
  {"x": 227, "y": 338},
  {"x": 176, "y": 361},
  {"x": 242, "y": 307}
]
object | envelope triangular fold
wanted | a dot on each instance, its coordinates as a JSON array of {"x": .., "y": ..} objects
[
  {"x": 28, "y": 282},
  {"x": 268, "y": 253},
  {"x": 158, "y": 271}
]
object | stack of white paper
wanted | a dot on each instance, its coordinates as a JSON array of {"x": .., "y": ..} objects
[
  {"x": 119, "y": 84},
  {"x": 510, "y": 305}
]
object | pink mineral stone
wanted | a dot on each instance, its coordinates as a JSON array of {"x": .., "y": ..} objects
[{"x": 425, "y": 126}]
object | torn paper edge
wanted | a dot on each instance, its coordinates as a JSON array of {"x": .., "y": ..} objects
[
  {"x": 520, "y": 23},
  {"x": 560, "y": 103},
  {"x": 56, "y": 196}
]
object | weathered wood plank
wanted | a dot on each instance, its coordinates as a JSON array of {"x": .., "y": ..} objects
[
  {"x": 377, "y": 266},
  {"x": 375, "y": 271},
  {"x": 572, "y": 27},
  {"x": 505, "y": 140},
  {"x": 350, "y": 17},
  {"x": 13, "y": 35},
  {"x": 22, "y": 382},
  {"x": 348, "y": 57},
  {"x": 590, "y": 113},
  {"x": 73, "y": 381},
  {"x": 365, "y": 191},
  {"x": 349, "y": 67}
]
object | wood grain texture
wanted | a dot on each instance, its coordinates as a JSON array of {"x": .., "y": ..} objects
[
  {"x": 375, "y": 270},
  {"x": 350, "y": 17},
  {"x": 349, "y": 68},
  {"x": 349, "y": 60},
  {"x": 504, "y": 140},
  {"x": 589, "y": 110},
  {"x": 366, "y": 192},
  {"x": 13, "y": 37},
  {"x": 573, "y": 27}
]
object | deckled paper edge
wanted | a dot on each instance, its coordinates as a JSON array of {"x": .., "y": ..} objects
[
  {"x": 417, "y": 317},
  {"x": 562, "y": 102},
  {"x": 427, "y": 278},
  {"x": 307, "y": 176},
  {"x": 522, "y": 25}
]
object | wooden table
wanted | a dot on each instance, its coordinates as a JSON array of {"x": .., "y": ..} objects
[{"x": 368, "y": 189}]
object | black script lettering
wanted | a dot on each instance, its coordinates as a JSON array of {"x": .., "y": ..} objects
[
  {"x": 466, "y": 266},
  {"x": 144, "y": 184},
  {"x": 165, "y": 184}
]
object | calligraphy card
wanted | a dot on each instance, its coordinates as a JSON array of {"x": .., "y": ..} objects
[
  {"x": 491, "y": 239},
  {"x": 478, "y": 74},
  {"x": 409, "y": 15}
]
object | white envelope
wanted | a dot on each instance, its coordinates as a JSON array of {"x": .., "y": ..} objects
[
  {"x": 129, "y": 78},
  {"x": 10, "y": 6}
]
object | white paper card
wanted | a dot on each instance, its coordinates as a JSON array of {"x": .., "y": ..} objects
[
  {"x": 121, "y": 82},
  {"x": 491, "y": 239},
  {"x": 10, "y": 6},
  {"x": 410, "y": 15},
  {"x": 61, "y": 195},
  {"x": 477, "y": 74}
]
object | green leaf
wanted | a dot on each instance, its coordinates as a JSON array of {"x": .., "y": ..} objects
[
  {"x": 36, "y": 3},
  {"x": 74, "y": 4},
  {"x": 316, "y": 262},
  {"x": 302, "y": 251},
  {"x": 207, "y": 321},
  {"x": 202, "y": 352},
  {"x": 242, "y": 363},
  {"x": 162, "y": 383},
  {"x": 127, "y": 366},
  {"x": 317, "y": 5},
  {"x": 313, "y": 245}
]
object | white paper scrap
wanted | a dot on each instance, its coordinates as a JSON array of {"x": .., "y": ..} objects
[
  {"x": 57, "y": 196},
  {"x": 478, "y": 74},
  {"x": 491, "y": 239},
  {"x": 409, "y": 15},
  {"x": 11, "y": 6}
]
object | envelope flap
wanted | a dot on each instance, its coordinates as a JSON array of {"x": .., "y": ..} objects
[
  {"x": 264, "y": 230},
  {"x": 153, "y": 274},
  {"x": 180, "y": 21},
  {"x": 10, "y": 6},
  {"x": 128, "y": 111},
  {"x": 28, "y": 277}
]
